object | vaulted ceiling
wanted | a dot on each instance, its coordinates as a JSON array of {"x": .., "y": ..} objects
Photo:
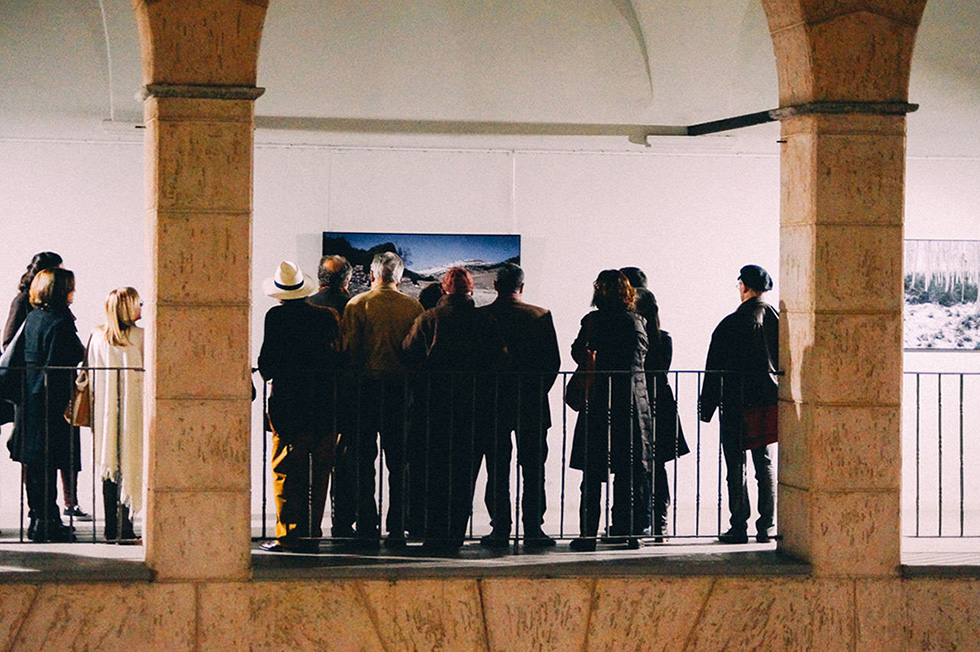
[{"x": 70, "y": 68}]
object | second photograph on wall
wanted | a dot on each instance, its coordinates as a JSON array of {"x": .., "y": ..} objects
[{"x": 427, "y": 256}]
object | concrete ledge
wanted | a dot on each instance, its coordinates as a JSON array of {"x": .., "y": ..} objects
[
  {"x": 474, "y": 562},
  {"x": 74, "y": 562}
]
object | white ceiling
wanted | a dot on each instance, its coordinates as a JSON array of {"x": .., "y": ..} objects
[{"x": 661, "y": 62}]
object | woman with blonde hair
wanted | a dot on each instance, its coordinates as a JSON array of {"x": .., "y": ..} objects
[{"x": 115, "y": 360}]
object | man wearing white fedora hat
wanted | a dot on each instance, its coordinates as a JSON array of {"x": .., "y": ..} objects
[{"x": 301, "y": 356}]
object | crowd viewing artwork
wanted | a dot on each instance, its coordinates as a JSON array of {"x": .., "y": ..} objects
[
  {"x": 942, "y": 307},
  {"x": 427, "y": 257}
]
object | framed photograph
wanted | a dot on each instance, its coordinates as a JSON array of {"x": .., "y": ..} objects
[
  {"x": 427, "y": 257},
  {"x": 942, "y": 311}
]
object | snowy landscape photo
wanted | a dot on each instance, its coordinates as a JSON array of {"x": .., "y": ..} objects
[
  {"x": 942, "y": 310},
  {"x": 427, "y": 257}
]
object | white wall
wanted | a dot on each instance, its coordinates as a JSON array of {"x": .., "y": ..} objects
[{"x": 689, "y": 217}]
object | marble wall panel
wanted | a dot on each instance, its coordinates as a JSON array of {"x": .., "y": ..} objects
[
  {"x": 879, "y": 612},
  {"x": 153, "y": 616},
  {"x": 201, "y": 445},
  {"x": 226, "y": 616},
  {"x": 15, "y": 603},
  {"x": 657, "y": 613},
  {"x": 794, "y": 443},
  {"x": 203, "y": 258},
  {"x": 773, "y": 614},
  {"x": 198, "y": 109},
  {"x": 315, "y": 616},
  {"x": 199, "y": 535},
  {"x": 536, "y": 614},
  {"x": 851, "y": 359},
  {"x": 203, "y": 166},
  {"x": 854, "y": 533},
  {"x": 428, "y": 615},
  {"x": 215, "y": 42},
  {"x": 202, "y": 351},
  {"x": 860, "y": 178},
  {"x": 797, "y": 267},
  {"x": 942, "y": 614},
  {"x": 860, "y": 56},
  {"x": 858, "y": 269},
  {"x": 854, "y": 447},
  {"x": 793, "y": 513}
]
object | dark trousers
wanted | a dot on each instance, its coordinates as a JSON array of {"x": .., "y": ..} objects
[
  {"x": 630, "y": 502},
  {"x": 300, "y": 475},
  {"x": 117, "y": 522},
  {"x": 42, "y": 493},
  {"x": 738, "y": 492},
  {"x": 450, "y": 463},
  {"x": 380, "y": 408},
  {"x": 532, "y": 452},
  {"x": 658, "y": 489}
]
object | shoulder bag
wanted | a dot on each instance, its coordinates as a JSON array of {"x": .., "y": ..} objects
[{"x": 79, "y": 409}]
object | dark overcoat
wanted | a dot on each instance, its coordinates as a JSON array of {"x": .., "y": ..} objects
[
  {"x": 301, "y": 356},
  {"x": 532, "y": 363},
  {"x": 742, "y": 360},
  {"x": 617, "y": 422},
  {"x": 41, "y": 431},
  {"x": 669, "y": 434}
]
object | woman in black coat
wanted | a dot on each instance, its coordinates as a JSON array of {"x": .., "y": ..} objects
[
  {"x": 21, "y": 305},
  {"x": 614, "y": 431},
  {"x": 43, "y": 440},
  {"x": 669, "y": 442}
]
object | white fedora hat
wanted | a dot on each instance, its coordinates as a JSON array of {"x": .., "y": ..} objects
[{"x": 289, "y": 282}]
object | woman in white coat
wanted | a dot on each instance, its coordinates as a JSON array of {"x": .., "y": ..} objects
[{"x": 115, "y": 359}]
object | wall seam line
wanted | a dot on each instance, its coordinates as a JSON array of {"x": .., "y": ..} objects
[
  {"x": 588, "y": 618},
  {"x": 372, "y": 615},
  {"x": 483, "y": 614},
  {"x": 700, "y": 615},
  {"x": 23, "y": 619}
]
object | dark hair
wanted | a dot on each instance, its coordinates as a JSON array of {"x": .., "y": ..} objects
[
  {"x": 510, "y": 277},
  {"x": 457, "y": 281},
  {"x": 646, "y": 307},
  {"x": 430, "y": 295},
  {"x": 333, "y": 272},
  {"x": 51, "y": 287},
  {"x": 635, "y": 276},
  {"x": 611, "y": 291},
  {"x": 43, "y": 260}
]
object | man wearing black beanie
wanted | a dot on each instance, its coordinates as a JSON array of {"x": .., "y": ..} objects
[{"x": 740, "y": 378}]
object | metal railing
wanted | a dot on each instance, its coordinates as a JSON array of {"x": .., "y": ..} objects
[
  {"x": 941, "y": 434},
  {"x": 49, "y": 447},
  {"x": 697, "y": 507}
]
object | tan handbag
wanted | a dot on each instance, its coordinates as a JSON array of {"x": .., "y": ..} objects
[{"x": 78, "y": 412}]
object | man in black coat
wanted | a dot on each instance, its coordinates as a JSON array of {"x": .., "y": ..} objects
[
  {"x": 521, "y": 407},
  {"x": 301, "y": 356},
  {"x": 334, "y": 274},
  {"x": 742, "y": 359}
]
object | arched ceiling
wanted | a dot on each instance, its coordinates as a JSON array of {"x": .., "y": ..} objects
[{"x": 661, "y": 62}]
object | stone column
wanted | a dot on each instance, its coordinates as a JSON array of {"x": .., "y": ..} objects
[
  {"x": 841, "y": 336},
  {"x": 843, "y": 85},
  {"x": 199, "y": 204}
]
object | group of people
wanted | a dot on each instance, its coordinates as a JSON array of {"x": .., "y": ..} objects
[
  {"x": 44, "y": 349},
  {"x": 444, "y": 385}
]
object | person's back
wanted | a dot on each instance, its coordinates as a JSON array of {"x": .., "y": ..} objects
[{"x": 375, "y": 323}]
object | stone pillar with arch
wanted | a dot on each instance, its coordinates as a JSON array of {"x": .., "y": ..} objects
[
  {"x": 199, "y": 71},
  {"x": 843, "y": 85}
]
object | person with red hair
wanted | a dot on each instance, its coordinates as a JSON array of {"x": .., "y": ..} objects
[{"x": 457, "y": 349}]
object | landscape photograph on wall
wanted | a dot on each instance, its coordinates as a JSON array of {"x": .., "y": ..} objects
[
  {"x": 942, "y": 311},
  {"x": 427, "y": 257}
]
